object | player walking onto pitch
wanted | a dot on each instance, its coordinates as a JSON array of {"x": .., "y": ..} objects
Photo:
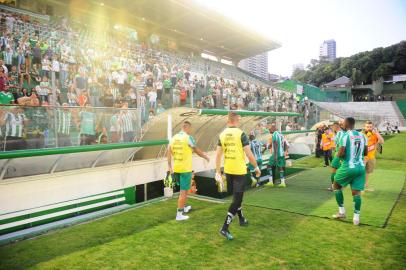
[
  {"x": 256, "y": 149},
  {"x": 336, "y": 163},
  {"x": 235, "y": 145},
  {"x": 374, "y": 138},
  {"x": 181, "y": 147},
  {"x": 353, "y": 147},
  {"x": 279, "y": 150}
]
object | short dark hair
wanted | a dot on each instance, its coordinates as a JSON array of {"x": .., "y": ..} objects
[
  {"x": 350, "y": 121},
  {"x": 369, "y": 123},
  {"x": 252, "y": 137},
  {"x": 232, "y": 116},
  {"x": 187, "y": 123}
]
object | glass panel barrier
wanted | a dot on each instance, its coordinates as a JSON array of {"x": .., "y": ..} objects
[{"x": 25, "y": 127}]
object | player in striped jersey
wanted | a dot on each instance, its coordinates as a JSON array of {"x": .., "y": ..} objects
[
  {"x": 279, "y": 150},
  {"x": 335, "y": 164},
  {"x": 352, "y": 150},
  {"x": 256, "y": 148}
]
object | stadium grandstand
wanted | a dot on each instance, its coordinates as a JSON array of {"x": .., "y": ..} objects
[{"x": 94, "y": 96}]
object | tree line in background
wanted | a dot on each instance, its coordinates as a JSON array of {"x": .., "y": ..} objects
[{"x": 361, "y": 68}]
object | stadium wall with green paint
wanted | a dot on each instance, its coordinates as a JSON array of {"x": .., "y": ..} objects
[{"x": 14, "y": 221}]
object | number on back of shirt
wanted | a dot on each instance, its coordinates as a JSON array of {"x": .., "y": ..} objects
[{"x": 357, "y": 145}]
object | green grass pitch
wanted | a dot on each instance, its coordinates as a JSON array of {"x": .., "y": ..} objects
[{"x": 150, "y": 238}]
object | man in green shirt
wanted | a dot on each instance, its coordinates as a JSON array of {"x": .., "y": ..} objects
[
  {"x": 353, "y": 148},
  {"x": 278, "y": 149},
  {"x": 6, "y": 98}
]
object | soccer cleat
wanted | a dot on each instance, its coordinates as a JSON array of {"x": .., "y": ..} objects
[
  {"x": 330, "y": 189},
  {"x": 339, "y": 216},
  {"x": 181, "y": 217},
  {"x": 187, "y": 209},
  {"x": 355, "y": 222},
  {"x": 282, "y": 185},
  {"x": 244, "y": 222},
  {"x": 226, "y": 233},
  {"x": 269, "y": 184}
]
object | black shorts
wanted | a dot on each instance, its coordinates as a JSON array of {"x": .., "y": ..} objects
[{"x": 237, "y": 182}]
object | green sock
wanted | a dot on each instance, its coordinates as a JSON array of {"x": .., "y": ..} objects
[
  {"x": 339, "y": 197},
  {"x": 357, "y": 203},
  {"x": 332, "y": 177}
]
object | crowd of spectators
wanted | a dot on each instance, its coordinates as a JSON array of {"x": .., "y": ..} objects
[
  {"x": 52, "y": 63},
  {"x": 90, "y": 70}
]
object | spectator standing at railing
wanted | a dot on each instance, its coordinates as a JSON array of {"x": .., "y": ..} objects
[
  {"x": 63, "y": 125},
  {"x": 126, "y": 121},
  {"x": 87, "y": 123},
  {"x": 38, "y": 119},
  {"x": 14, "y": 121}
]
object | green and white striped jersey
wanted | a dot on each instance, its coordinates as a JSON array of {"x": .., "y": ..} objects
[
  {"x": 277, "y": 144},
  {"x": 64, "y": 119},
  {"x": 127, "y": 119},
  {"x": 338, "y": 138},
  {"x": 14, "y": 124},
  {"x": 354, "y": 143}
]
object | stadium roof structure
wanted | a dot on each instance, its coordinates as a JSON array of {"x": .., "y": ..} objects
[
  {"x": 191, "y": 25},
  {"x": 343, "y": 81}
]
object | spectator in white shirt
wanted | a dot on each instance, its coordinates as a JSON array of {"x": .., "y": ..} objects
[{"x": 152, "y": 96}]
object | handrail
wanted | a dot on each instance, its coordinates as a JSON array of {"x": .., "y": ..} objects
[
  {"x": 77, "y": 149},
  {"x": 246, "y": 113},
  {"x": 298, "y": 131}
]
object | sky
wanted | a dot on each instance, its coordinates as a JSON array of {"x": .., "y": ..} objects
[{"x": 302, "y": 25}]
